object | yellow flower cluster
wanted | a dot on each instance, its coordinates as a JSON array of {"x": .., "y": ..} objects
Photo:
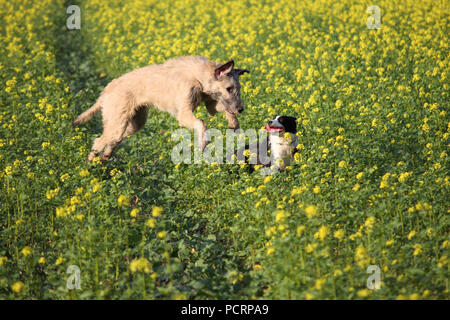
[{"x": 141, "y": 264}]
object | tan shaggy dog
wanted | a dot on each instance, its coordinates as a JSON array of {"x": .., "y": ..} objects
[{"x": 178, "y": 86}]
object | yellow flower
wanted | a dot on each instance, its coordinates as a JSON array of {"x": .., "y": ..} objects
[
  {"x": 3, "y": 259},
  {"x": 257, "y": 267},
  {"x": 51, "y": 193},
  {"x": 339, "y": 234},
  {"x": 319, "y": 284},
  {"x": 310, "y": 247},
  {"x": 96, "y": 187},
  {"x": 298, "y": 190},
  {"x": 59, "y": 261},
  {"x": 322, "y": 233},
  {"x": 316, "y": 189},
  {"x": 311, "y": 211},
  {"x": 270, "y": 250},
  {"x": 417, "y": 249},
  {"x": 414, "y": 296},
  {"x": 61, "y": 212},
  {"x": 161, "y": 234},
  {"x": 74, "y": 200},
  {"x": 363, "y": 293},
  {"x": 41, "y": 260},
  {"x": 281, "y": 215},
  {"x": 134, "y": 212},
  {"x": 300, "y": 230},
  {"x": 17, "y": 286},
  {"x": 411, "y": 234},
  {"x": 383, "y": 184},
  {"x": 84, "y": 173},
  {"x": 122, "y": 201},
  {"x": 9, "y": 170},
  {"x": 179, "y": 296},
  {"x": 140, "y": 264},
  {"x": 150, "y": 223},
  {"x": 443, "y": 261},
  {"x": 157, "y": 211},
  {"x": 369, "y": 222},
  {"x": 362, "y": 257},
  {"x": 26, "y": 251},
  {"x": 403, "y": 176}
]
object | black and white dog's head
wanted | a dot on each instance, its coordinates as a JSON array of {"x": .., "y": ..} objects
[
  {"x": 282, "y": 124},
  {"x": 282, "y": 146}
]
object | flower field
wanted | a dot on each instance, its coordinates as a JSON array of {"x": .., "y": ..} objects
[{"x": 369, "y": 185}]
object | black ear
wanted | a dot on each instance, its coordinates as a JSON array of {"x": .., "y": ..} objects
[
  {"x": 224, "y": 69},
  {"x": 289, "y": 123},
  {"x": 240, "y": 72}
]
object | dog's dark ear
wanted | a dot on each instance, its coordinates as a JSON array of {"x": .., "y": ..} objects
[
  {"x": 224, "y": 69},
  {"x": 289, "y": 123},
  {"x": 240, "y": 72}
]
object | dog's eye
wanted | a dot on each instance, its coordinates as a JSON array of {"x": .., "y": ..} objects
[{"x": 230, "y": 89}]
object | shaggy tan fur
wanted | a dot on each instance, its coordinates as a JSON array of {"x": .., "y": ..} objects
[{"x": 178, "y": 86}]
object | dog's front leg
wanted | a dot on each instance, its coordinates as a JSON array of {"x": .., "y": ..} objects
[
  {"x": 215, "y": 106},
  {"x": 187, "y": 119},
  {"x": 233, "y": 122}
]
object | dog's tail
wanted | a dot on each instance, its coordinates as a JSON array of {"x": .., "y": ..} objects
[{"x": 88, "y": 114}]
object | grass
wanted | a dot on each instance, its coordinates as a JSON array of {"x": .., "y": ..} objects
[{"x": 369, "y": 185}]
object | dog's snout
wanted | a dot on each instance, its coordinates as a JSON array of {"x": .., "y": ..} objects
[
  {"x": 240, "y": 109},
  {"x": 270, "y": 122}
]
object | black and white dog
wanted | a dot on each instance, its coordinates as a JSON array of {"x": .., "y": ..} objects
[
  {"x": 281, "y": 141},
  {"x": 282, "y": 146}
]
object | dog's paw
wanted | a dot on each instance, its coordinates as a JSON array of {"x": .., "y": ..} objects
[
  {"x": 204, "y": 141},
  {"x": 91, "y": 157},
  {"x": 233, "y": 122}
]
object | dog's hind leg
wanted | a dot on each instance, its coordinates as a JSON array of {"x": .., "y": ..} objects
[
  {"x": 97, "y": 147},
  {"x": 113, "y": 138},
  {"x": 116, "y": 121},
  {"x": 137, "y": 122}
]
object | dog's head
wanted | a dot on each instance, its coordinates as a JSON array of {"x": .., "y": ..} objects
[
  {"x": 282, "y": 124},
  {"x": 226, "y": 88}
]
